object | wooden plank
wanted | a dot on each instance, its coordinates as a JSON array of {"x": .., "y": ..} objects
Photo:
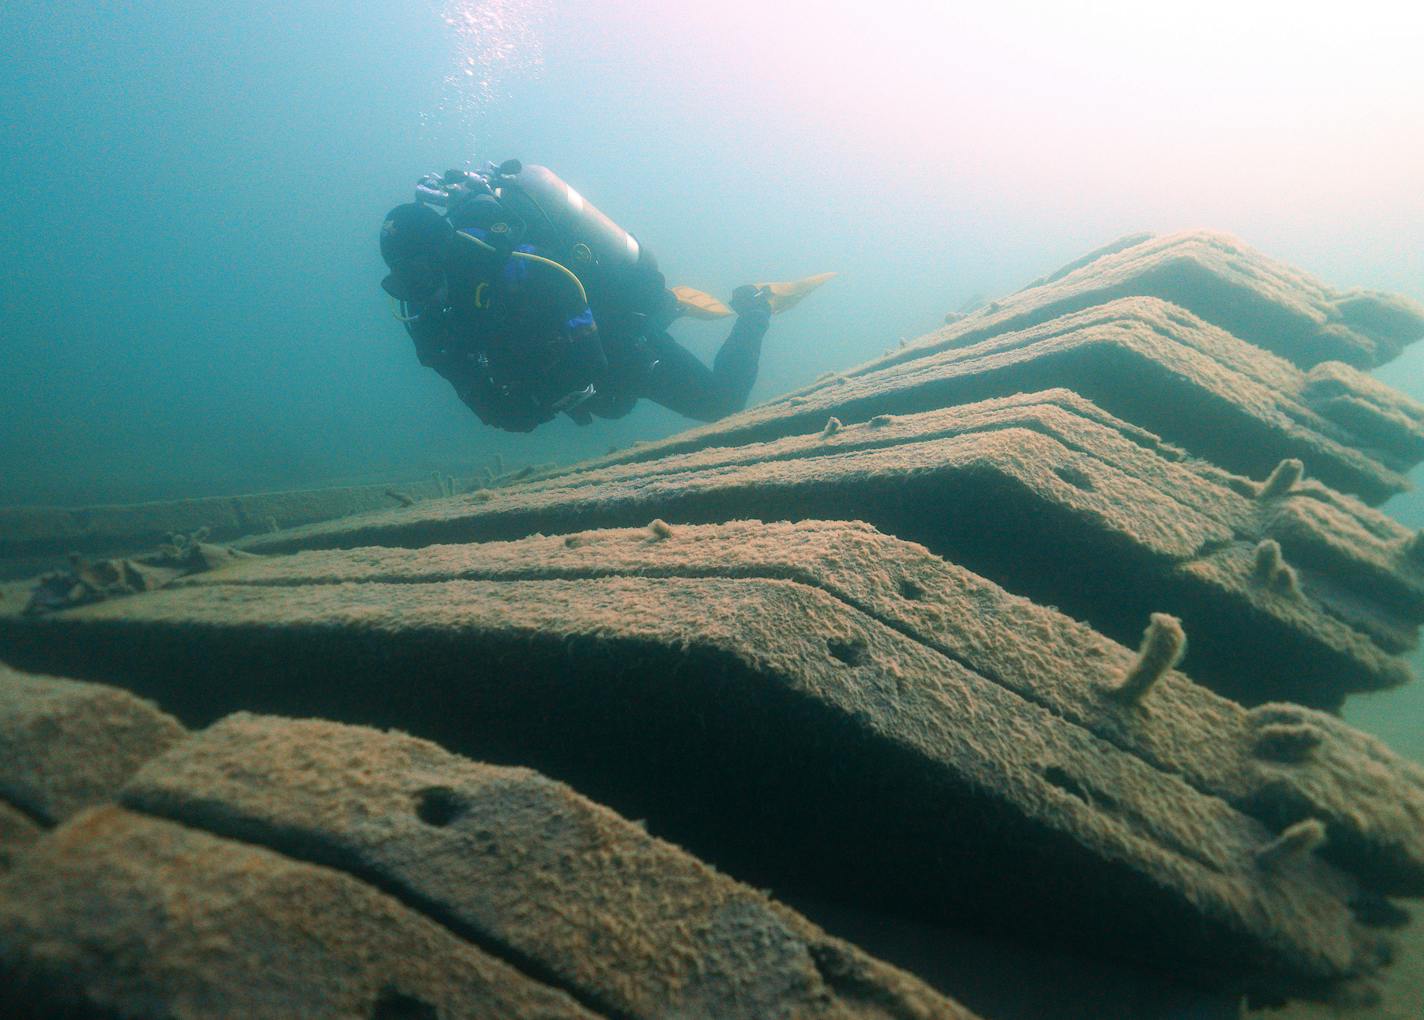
[
  {"x": 1371, "y": 800},
  {"x": 768, "y": 721},
  {"x": 34, "y": 539},
  {"x": 1139, "y": 359},
  {"x": 1227, "y": 283},
  {"x": 524, "y": 866},
  {"x": 116, "y": 914},
  {"x": 65, "y": 745},
  {"x": 17, "y": 832},
  {"x": 1048, "y": 497}
]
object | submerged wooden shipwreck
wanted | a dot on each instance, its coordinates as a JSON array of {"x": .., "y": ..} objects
[{"x": 909, "y": 641}]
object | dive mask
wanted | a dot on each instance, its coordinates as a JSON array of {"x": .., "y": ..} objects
[{"x": 418, "y": 279}]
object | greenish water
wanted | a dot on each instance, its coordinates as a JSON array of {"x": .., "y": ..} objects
[{"x": 1394, "y": 716}]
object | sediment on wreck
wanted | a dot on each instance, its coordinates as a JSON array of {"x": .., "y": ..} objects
[
  {"x": 117, "y": 914},
  {"x": 1222, "y": 280},
  {"x": 33, "y": 539},
  {"x": 1142, "y": 360},
  {"x": 524, "y": 867},
  {"x": 1044, "y": 494},
  {"x": 845, "y": 730},
  {"x": 17, "y": 832},
  {"x": 66, "y": 745},
  {"x": 1169, "y": 439},
  {"x": 392, "y": 878},
  {"x": 1280, "y": 763}
]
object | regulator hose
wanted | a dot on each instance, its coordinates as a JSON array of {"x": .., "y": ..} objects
[{"x": 531, "y": 257}]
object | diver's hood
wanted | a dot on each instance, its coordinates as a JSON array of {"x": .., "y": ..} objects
[
  {"x": 414, "y": 230},
  {"x": 415, "y": 241}
]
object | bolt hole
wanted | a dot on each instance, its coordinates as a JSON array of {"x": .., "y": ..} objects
[
  {"x": 394, "y": 1005},
  {"x": 438, "y": 806},
  {"x": 1374, "y": 911},
  {"x": 910, "y": 591},
  {"x": 1074, "y": 476},
  {"x": 851, "y": 652},
  {"x": 1061, "y": 779}
]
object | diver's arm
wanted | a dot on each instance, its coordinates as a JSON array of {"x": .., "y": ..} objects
[
  {"x": 581, "y": 368},
  {"x": 498, "y": 401},
  {"x": 577, "y": 364},
  {"x": 523, "y": 380},
  {"x": 576, "y": 367},
  {"x": 468, "y": 373},
  {"x": 500, "y": 407}
]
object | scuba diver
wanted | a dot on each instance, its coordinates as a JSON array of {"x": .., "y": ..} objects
[{"x": 532, "y": 303}]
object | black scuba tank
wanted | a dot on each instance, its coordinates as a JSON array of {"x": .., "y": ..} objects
[
  {"x": 514, "y": 204},
  {"x": 564, "y": 223}
]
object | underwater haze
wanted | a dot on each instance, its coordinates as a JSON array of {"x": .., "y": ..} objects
[{"x": 192, "y": 193}]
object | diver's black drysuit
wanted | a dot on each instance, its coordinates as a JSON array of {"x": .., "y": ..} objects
[
  {"x": 656, "y": 367},
  {"x": 522, "y": 340}
]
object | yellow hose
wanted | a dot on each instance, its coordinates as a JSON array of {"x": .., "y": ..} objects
[
  {"x": 530, "y": 256},
  {"x": 583, "y": 294}
]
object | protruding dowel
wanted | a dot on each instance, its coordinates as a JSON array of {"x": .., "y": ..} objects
[
  {"x": 1272, "y": 569},
  {"x": 1297, "y": 841},
  {"x": 1163, "y": 645},
  {"x": 1287, "y": 473},
  {"x": 1287, "y": 742}
]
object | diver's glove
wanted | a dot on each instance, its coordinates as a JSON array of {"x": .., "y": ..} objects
[
  {"x": 501, "y": 406},
  {"x": 518, "y": 413},
  {"x": 751, "y": 301}
]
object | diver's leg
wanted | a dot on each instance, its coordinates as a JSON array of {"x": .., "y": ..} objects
[
  {"x": 678, "y": 381},
  {"x": 735, "y": 367}
]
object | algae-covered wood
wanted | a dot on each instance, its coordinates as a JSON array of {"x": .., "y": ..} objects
[
  {"x": 1225, "y": 282},
  {"x": 17, "y": 832},
  {"x": 33, "y": 539},
  {"x": 1371, "y": 799},
  {"x": 1044, "y": 494},
  {"x": 571, "y": 892},
  {"x": 774, "y": 721},
  {"x": 65, "y": 745},
  {"x": 1142, "y": 360},
  {"x": 117, "y": 914}
]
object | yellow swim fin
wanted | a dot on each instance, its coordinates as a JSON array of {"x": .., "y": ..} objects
[
  {"x": 696, "y": 304},
  {"x": 787, "y": 295}
]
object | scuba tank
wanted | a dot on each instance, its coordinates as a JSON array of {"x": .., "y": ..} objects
[
  {"x": 533, "y": 205},
  {"x": 562, "y": 221},
  {"x": 512, "y": 204}
]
